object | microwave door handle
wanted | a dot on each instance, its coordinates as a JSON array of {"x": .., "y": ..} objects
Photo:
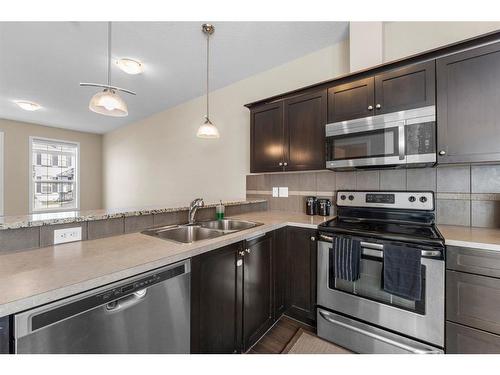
[{"x": 401, "y": 142}]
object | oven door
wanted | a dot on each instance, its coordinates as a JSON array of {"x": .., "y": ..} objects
[
  {"x": 365, "y": 145},
  {"x": 366, "y": 300}
]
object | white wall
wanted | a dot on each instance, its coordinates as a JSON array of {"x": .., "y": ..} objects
[
  {"x": 159, "y": 160},
  {"x": 407, "y": 38},
  {"x": 365, "y": 44}
]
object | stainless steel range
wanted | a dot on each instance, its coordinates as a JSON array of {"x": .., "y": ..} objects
[{"x": 360, "y": 313}]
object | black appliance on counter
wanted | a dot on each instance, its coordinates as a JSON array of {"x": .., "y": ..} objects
[
  {"x": 324, "y": 206},
  {"x": 360, "y": 315},
  {"x": 311, "y": 206}
]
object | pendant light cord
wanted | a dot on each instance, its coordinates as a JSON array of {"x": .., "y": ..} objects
[
  {"x": 208, "y": 88},
  {"x": 109, "y": 53}
]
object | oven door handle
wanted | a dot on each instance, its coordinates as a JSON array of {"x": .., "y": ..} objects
[
  {"x": 387, "y": 340},
  {"x": 375, "y": 249}
]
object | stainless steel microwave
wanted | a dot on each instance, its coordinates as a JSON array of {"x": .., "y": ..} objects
[{"x": 399, "y": 139}]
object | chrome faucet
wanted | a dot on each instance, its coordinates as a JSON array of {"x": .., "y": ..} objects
[{"x": 193, "y": 207}]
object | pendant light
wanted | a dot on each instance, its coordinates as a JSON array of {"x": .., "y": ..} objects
[
  {"x": 207, "y": 129},
  {"x": 108, "y": 102}
]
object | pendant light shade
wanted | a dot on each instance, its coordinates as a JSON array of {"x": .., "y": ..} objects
[
  {"x": 108, "y": 103},
  {"x": 207, "y": 129}
]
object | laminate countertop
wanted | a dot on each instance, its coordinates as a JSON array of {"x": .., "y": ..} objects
[
  {"x": 478, "y": 238},
  {"x": 35, "y": 277}
]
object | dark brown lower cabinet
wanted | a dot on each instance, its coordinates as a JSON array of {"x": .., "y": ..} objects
[
  {"x": 301, "y": 274},
  {"x": 216, "y": 301},
  {"x": 239, "y": 291},
  {"x": 4, "y": 335},
  {"x": 257, "y": 289},
  {"x": 465, "y": 340},
  {"x": 280, "y": 272},
  {"x": 472, "y": 301}
]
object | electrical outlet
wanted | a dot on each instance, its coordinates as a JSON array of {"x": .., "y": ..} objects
[
  {"x": 67, "y": 235},
  {"x": 276, "y": 192},
  {"x": 283, "y": 192}
]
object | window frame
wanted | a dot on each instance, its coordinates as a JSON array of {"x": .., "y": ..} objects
[{"x": 30, "y": 175}]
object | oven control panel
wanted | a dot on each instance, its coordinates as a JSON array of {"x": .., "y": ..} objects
[{"x": 411, "y": 200}]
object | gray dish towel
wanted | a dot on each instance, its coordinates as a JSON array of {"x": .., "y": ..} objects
[
  {"x": 402, "y": 271},
  {"x": 347, "y": 258}
]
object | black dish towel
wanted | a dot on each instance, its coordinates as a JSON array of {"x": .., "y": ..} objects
[
  {"x": 347, "y": 258},
  {"x": 402, "y": 271}
]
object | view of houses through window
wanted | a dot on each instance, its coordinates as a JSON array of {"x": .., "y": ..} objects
[{"x": 55, "y": 175}]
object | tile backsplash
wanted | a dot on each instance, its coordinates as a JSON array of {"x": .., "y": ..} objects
[{"x": 467, "y": 195}]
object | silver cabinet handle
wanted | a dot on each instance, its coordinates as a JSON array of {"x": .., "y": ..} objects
[
  {"x": 239, "y": 263},
  {"x": 378, "y": 106},
  {"x": 313, "y": 238},
  {"x": 370, "y": 108},
  {"x": 281, "y": 164},
  {"x": 241, "y": 253},
  {"x": 322, "y": 237},
  {"x": 285, "y": 163},
  {"x": 248, "y": 251},
  {"x": 442, "y": 152}
]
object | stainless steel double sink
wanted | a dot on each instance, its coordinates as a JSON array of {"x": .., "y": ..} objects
[{"x": 202, "y": 230}]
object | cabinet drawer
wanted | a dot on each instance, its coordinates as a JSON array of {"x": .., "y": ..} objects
[
  {"x": 481, "y": 262},
  {"x": 473, "y": 300},
  {"x": 466, "y": 340}
]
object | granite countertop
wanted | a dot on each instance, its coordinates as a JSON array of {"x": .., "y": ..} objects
[
  {"x": 36, "y": 220},
  {"x": 479, "y": 238},
  {"x": 31, "y": 278}
]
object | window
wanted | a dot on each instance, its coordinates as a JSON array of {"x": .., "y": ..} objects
[{"x": 54, "y": 177}]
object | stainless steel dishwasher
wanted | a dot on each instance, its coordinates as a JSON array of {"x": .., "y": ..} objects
[{"x": 148, "y": 313}]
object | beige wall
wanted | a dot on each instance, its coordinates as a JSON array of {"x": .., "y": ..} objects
[
  {"x": 407, "y": 38},
  {"x": 16, "y": 160},
  {"x": 159, "y": 160}
]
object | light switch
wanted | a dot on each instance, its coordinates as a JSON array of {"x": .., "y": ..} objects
[
  {"x": 276, "y": 192},
  {"x": 283, "y": 192}
]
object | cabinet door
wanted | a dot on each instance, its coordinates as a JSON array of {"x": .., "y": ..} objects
[
  {"x": 473, "y": 300},
  {"x": 305, "y": 120},
  {"x": 257, "y": 289},
  {"x": 216, "y": 301},
  {"x": 468, "y": 95},
  {"x": 351, "y": 100},
  {"x": 410, "y": 87},
  {"x": 279, "y": 272},
  {"x": 301, "y": 291},
  {"x": 465, "y": 340},
  {"x": 4, "y": 335},
  {"x": 266, "y": 138}
]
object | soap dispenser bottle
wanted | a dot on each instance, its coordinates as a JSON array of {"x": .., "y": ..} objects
[{"x": 219, "y": 211}]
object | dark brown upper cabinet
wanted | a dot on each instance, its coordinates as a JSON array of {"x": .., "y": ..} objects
[
  {"x": 468, "y": 97},
  {"x": 266, "y": 138},
  {"x": 410, "y": 87},
  {"x": 289, "y": 135},
  {"x": 351, "y": 100},
  {"x": 406, "y": 88},
  {"x": 305, "y": 120}
]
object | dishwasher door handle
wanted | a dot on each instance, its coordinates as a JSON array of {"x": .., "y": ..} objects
[{"x": 127, "y": 301}]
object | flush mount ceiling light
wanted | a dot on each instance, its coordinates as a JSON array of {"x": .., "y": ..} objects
[
  {"x": 130, "y": 66},
  {"x": 28, "y": 105},
  {"x": 207, "y": 129},
  {"x": 108, "y": 102}
]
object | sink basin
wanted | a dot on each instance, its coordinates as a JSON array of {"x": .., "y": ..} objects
[
  {"x": 184, "y": 233},
  {"x": 228, "y": 225},
  {"x": 200, "y": 231}
]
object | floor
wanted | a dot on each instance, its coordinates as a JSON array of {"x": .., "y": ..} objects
[{"x": 277, "y": 338}]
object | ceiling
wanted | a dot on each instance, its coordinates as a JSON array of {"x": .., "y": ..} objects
[{"x": 45, "y": 62}]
